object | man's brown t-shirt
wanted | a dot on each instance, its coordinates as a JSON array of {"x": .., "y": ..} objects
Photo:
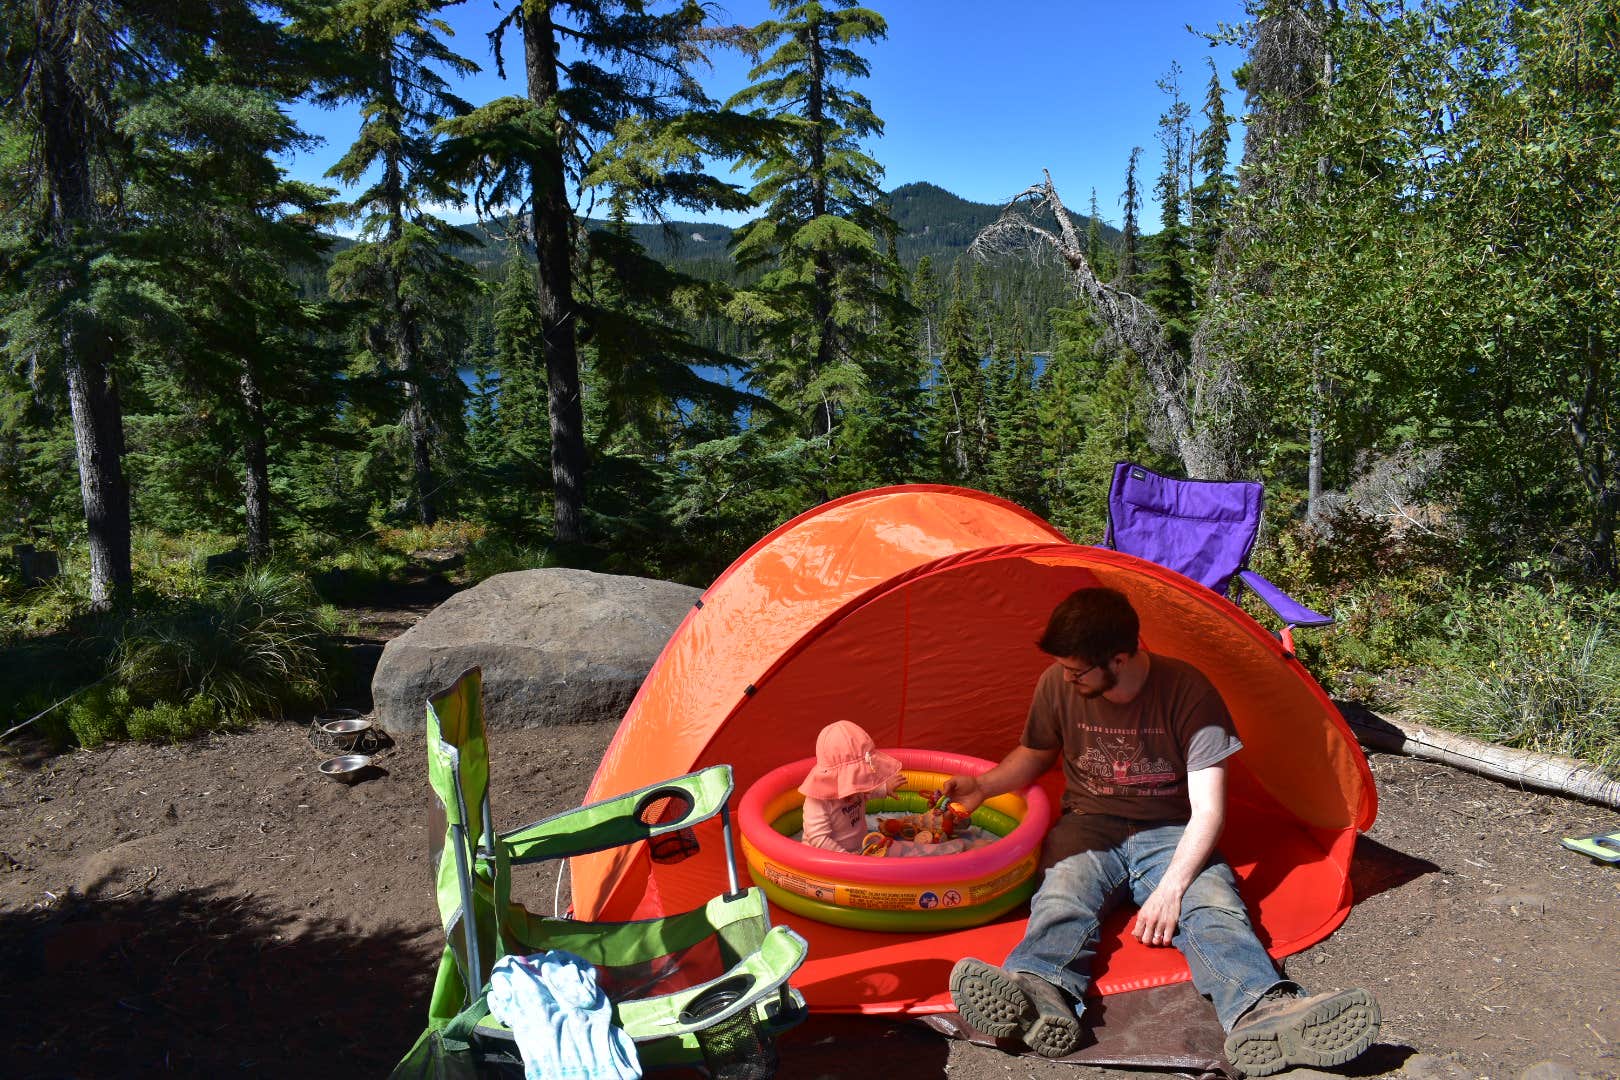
[{"x": 1132, "y": 760}]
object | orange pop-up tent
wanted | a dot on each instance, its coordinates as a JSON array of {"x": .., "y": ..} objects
[{"x": 914, "y": 611}]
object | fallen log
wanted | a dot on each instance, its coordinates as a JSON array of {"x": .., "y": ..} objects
[{"x": 1544, "y": 772}]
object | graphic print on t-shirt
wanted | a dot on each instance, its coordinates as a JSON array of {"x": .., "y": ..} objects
[{"x": 1113, "y": 762}]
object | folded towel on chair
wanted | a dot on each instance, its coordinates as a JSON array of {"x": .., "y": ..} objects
[{"x": 562, "y": 1021}]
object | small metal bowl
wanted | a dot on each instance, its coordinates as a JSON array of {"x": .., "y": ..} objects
[
  {"x": 345, "y": 768},
  {"x": 346, "y": 731}
]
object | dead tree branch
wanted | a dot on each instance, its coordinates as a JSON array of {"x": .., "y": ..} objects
[{"x": 1125, "y": 318}]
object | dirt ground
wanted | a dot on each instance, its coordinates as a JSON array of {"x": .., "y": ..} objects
[{"x": 222, "y": 908}]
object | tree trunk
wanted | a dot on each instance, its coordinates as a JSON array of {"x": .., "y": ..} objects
[
  {"x": 256, "y": 469},
  {"x": 98, "y": 440},
  {"x": 421, "y": 445},
  {"x": 552, "y": 219},
  {"x": 1546, "y": 772},
  {"x": 98, "y": 417},
  {"x": 1313, "y": 482},
  {"x": 406, "y": 334}
]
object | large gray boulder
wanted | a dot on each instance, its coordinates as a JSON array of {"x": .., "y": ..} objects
[{"x": 557, "y": 647}]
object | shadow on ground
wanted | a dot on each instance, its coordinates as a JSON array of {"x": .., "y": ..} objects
[
  {"x": 197, "y": 983},
  {"x": 1377, "y": 868}
]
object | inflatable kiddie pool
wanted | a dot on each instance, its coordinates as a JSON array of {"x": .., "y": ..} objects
[{"x": 901, "y": 895}]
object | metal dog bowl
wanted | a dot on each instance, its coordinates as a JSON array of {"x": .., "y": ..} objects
[
  {"x": 345, "y": 768},
  {"x": 345, "y": 730}
]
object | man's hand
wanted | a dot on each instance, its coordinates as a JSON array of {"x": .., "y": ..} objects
[
  {"x": 1156, "y": 921},
  {"x": 965, "y": 791}
]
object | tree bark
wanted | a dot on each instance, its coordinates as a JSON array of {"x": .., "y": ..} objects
[
  {"x": 1313, "y": 481},
  {"x": 1545, "y": 772},
  {"x": 98, "y": 417},
  {"x": 256, "y": 469},
  {"x": 552, "y": 220},
  {"x": 406, "y": 331},
  {"x": 421, "y": 454}
]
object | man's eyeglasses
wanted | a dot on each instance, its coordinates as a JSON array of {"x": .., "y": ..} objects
[{"x": 1075, "y": 676}]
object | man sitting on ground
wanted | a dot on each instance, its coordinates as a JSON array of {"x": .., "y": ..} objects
[{"x": 1144, "y": 741}]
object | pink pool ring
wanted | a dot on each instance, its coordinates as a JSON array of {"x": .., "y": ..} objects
[{"x": 902, "y": 895}]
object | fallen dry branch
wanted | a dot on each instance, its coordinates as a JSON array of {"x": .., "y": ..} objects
[{"x": 1544, "y": 772}]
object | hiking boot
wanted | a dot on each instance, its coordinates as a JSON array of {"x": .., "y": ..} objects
[
  {"x": 1285, "y": 1032},
  {"x": 1015, "y": 1004}
]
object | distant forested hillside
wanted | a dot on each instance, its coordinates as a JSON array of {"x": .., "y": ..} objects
[{"x": 933, "y": 223}]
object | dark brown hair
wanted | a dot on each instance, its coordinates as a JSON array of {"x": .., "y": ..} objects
[{"x": 1092, "y": 625}]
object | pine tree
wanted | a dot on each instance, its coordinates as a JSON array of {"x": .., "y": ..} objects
[
  {"x": 1211, "y": 199},
  {"x": 1127, "y": 277},
  {"x": 957, "y": 399},
  {"x": 402, "y": 267},
  {"x": 925, "y": 297},
  {"x": 1099, "y": 256},
  {"x": 76, "y": 75},
  {"x": 823, "y": 309},
  {"x": 222, "y": 228},
  {"x": 592, "y": 67},
  {"x": 522, "y": 418},
  {"x": 1014, "y": 459},
  {"x": 1168, "y": 282}
]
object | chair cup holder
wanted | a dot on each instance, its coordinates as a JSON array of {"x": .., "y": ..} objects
[{"x": 736, "y": 1048}]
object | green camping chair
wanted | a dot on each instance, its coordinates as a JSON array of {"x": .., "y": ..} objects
[{"x": 705, "y": 989}]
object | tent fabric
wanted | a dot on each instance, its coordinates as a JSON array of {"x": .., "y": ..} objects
[{"x": 914, "y": 611}]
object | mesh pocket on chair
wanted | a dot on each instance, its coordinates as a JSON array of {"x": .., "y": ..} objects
[{"x": 736, "y": 1048}]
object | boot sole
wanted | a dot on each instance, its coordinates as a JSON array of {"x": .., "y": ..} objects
[
  {"x": 990, "y": 1001},
  {"x": 1053, "y": 1036},
  {"x": 994, "y": 1004},
  {"x": 1331, "y": 1032}
]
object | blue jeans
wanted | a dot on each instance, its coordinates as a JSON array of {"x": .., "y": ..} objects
[{"x": 1095, "y": 862}]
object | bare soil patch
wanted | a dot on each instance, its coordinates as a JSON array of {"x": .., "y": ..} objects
[{"x": 221, "y": 907}]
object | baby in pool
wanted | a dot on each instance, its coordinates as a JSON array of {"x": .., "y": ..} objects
[{"x": 849, "y": 770}]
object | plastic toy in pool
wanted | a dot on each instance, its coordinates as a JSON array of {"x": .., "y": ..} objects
[{"x": 935, "y": 892}]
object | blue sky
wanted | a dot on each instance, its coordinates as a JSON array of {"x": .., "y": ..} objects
[{"x": 977, "y": 98}]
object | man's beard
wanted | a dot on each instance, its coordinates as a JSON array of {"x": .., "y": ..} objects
[{"x": 1110, "y": 680}]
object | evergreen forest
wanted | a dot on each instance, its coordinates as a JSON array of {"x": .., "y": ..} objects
[{"x": 1382, "y": 280}]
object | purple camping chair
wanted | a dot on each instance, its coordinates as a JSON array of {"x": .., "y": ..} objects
[{"x": 1204, "y": 529}]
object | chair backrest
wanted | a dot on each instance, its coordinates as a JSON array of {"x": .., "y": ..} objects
[
  {"x": 471, "y": 907},
  {"x": 1204, "y": 529}
]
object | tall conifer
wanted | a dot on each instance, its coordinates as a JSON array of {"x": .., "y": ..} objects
[
  {"x": 591, "y": 67},
  {"x": 402, "y": 267},
  {"x": 824, "y": 306}
]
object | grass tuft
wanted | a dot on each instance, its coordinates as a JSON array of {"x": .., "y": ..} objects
[{"x": 1535, "y": 668}]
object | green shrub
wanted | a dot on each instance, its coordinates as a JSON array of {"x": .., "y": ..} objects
[
  {"x": 251, "y": 645},
  {"x": 360, "y": 573},
  {"x": 489, "y": 557},
  {"x": 167, "y": 721},
  {"x": 99, "y": 715},
  {"x": 1532, "y": 667},
  {"x": 441, "y": 534},
  {"x": 47, "y": 608},
  {"x": 173, "y": 565}
]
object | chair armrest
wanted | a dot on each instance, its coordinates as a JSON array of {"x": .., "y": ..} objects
[
  {"x": 616, "y": 822},
  {"x": 1289, "y": 610}
]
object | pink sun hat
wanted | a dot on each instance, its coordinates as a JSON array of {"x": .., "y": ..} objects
[{"x": 847, "y": 763}]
